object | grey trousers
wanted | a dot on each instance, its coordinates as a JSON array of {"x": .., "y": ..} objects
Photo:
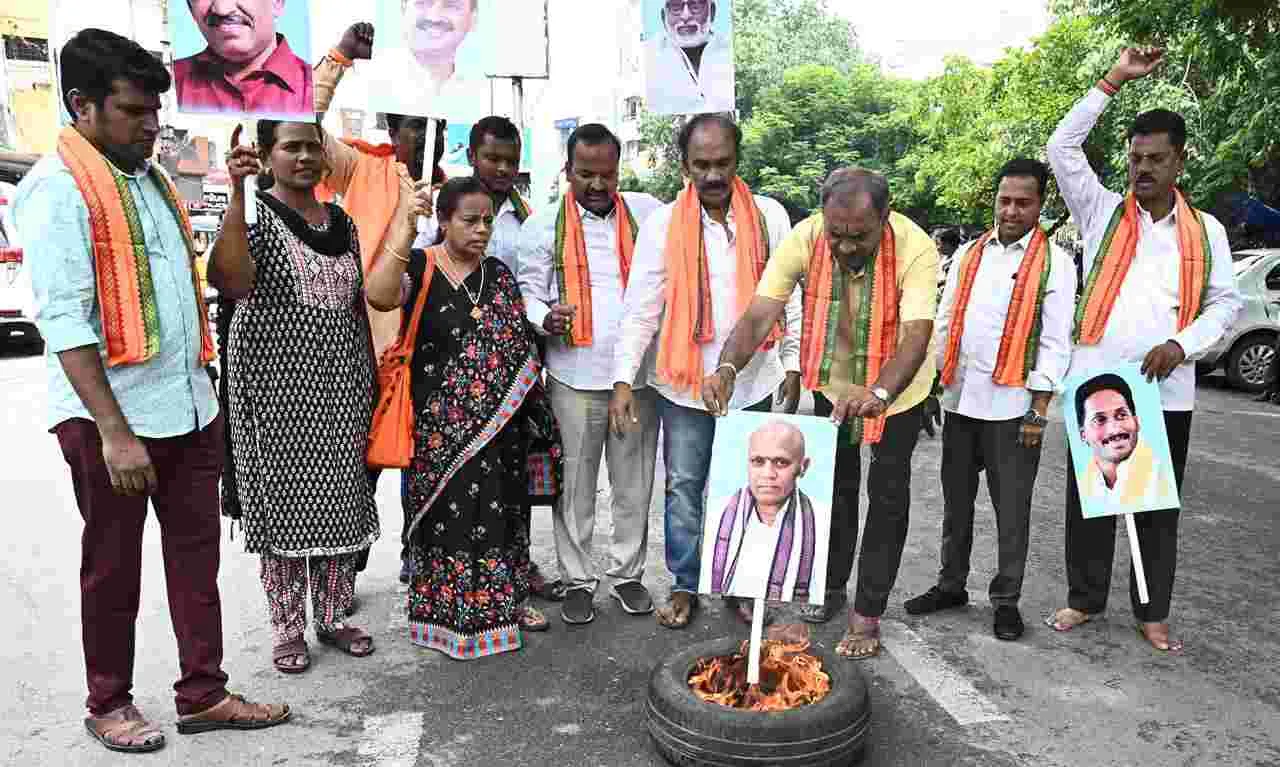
[
  {"x": 970, "y": 446},
  {"x": 584, "y": 427}
]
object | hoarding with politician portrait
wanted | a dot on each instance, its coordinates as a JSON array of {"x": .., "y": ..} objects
[
  {"x": 768, "y": 515},
  {"x": 688, "y": 56},
  {"x": 246, "y": 58},
  {"x": 434, "y": 58},
  {"x": 1119, "y": 445}
]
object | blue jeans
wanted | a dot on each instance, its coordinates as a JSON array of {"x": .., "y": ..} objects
[{"x": 687, "y": 436}]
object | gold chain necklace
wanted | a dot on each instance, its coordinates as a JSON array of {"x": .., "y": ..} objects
[{"x": 477, "y": 313}]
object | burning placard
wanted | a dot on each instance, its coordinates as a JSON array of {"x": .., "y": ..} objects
[{"x": 768, "y": 517}]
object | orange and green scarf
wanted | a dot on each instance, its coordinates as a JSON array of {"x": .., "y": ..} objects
[
  {"x": 688, "y": 323},
  {"x": 573, "y": 273},
  {"x": 1020, "y": 343},
  {"x": 126, "y": 294},
  {"x": 1115, "y": 255},
  {"x": 875, "y": 328},
  {"x": 523, "y": 211}
]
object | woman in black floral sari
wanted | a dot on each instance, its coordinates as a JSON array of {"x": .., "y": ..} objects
[{"x": 481, "y": 422}]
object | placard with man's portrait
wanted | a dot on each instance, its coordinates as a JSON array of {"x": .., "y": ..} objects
[
  {"x": 688, "y": 55},
  {"x": 243, "y": 57},
  {"x": 768, "y": 515},
  {"x": 1119, "y": 445}
]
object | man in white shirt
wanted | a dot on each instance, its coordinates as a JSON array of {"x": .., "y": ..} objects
[
  {"x": 999, "y": 372},
  {"x": 684, "y": 288},
  {"x": 688, "y": 68},
  {"x": 1165, "y": 293},
  {"x": 575, "y": 261}
]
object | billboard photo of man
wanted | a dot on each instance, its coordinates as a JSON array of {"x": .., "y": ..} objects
[
  {"x": 436, "y": 47},
  {"x": 767, "y": 539},
  {"x": 688, "y": 49},
  {"x": 1125, "y": 472},
  {"x": 247, "y": 65}
]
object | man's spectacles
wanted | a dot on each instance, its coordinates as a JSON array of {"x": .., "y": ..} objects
[{"x": 696, "y": 7}]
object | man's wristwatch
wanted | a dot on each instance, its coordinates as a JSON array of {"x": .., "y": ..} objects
[
  {"x": 881, "y": 394},
  {"x": 1032, "y": 418}
]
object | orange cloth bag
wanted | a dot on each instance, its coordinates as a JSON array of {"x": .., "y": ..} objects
[{"x": 391, "y": 433}]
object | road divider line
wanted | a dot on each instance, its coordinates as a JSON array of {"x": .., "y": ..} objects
[
  {"x": 955, "y": 694},
  {"x": 391, "y": 740}
]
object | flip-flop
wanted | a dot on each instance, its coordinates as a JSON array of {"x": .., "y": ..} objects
[
  {"x": 345, "y": 639},
  {"x": 866, "y": 630},
  {"x": 669, "y": 618},
  {"x": 291, "y": 649},
  {"x": 1174, "y": 646},
  {"x": 1054, "y": 622}
]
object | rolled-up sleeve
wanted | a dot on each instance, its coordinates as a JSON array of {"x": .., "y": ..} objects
[{"x": 60, "y": 261}]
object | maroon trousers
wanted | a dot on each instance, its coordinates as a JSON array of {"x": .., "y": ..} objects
[{"x": 186, "y": 505}]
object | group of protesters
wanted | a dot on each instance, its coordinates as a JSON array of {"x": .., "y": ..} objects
[{"x": 540, "y": 342}]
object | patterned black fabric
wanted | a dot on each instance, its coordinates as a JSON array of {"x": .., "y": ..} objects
[{"x": 300, "y": 387}]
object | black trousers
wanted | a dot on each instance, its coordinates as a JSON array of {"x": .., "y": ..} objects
[
  {"x": 888, "y": 505},
  {"x": 1091, "y": 543},
  {"x": 969, "y": 447}
]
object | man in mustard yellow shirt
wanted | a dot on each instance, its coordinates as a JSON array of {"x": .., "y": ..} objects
[{"x": 867, "y": 360}]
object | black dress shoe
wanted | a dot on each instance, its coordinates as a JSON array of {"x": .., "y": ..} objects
[
  {"x": 1008, "y": 623},
  {"x": 577, "y": 607},
  {"x": 935, "y": 599}
]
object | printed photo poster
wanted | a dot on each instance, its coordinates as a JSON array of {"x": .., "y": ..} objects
[
  {"x": 434, "y": 58},
  {"x": 249, "y": 58},
  {"x": 688, "y": 56},
  {"x": 768, "y": 516},
  {"x": 1119, "y": 446}
]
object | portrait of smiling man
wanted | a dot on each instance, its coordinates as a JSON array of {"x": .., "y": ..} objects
[
  {"x": 426, "y": 52},
  {"x": 1123, "y": 468},
  {"x": 247, "y": 67},
  {"x": 688, "y": 63}
]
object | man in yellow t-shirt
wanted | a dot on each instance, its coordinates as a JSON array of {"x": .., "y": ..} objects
[{"x": 878, "y": 389}]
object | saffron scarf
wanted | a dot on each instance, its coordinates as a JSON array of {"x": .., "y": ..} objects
[
  {"x": 742, "y": 506},
  {"x": 1116, "y": 253},
  {"x": 688, "y": 322},
  {"x": 875, "y": 328},
  {"x": 1020, "y": 343},
  {"x": 573, "y": 273},
  {"x": 122, "y": 271}
]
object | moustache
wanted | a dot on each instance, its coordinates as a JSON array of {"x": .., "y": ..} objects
[
  {"x": 427, "y": 25},
  {"x": 216, "y": 20}
]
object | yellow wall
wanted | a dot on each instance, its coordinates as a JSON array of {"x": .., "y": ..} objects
[{"x": 25, "y": 18}]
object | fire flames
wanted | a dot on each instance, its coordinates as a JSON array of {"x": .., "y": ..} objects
[{"x": 789, "y": 677}]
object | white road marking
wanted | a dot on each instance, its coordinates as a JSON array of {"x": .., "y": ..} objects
[
  {"x": 391, "y": 740},
  {"x": 1258, "y": 412},
  {"x": 951, "y": 690}
]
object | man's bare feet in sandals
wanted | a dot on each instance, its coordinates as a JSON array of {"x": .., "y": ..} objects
[
  {"x": 862, "y": 639},
  {"x": 1157, "y": 635},
  {"x": 125, "y": 729},
  {"x": 677, "y": 613},
  {"x": 1067, "y": 618}
]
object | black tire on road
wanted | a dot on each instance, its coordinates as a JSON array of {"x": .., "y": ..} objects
[
  {"x": 691, "y": 733},
  {"x": 1246, "y": 366}
]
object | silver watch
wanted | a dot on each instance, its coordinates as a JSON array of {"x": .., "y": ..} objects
[
  {"x": 1032, "y": 418},
  {"x": 881, "y": 394}
]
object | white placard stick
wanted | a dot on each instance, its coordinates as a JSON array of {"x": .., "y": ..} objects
[
  {"x": 753, "y": 654},
  {"x": 428, "y": 163},
  {"x": 250, "y": 200},
  {"x": 1136, "y": 555}
]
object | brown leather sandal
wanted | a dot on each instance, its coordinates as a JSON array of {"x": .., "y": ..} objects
[
  {"x": 296, "y": 648},
  {"x": 125, "y": 730},
  {"x": 234, "y": 713},
  {"x": 345, "y": 640}
]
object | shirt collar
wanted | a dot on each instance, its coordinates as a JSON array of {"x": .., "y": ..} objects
[
  {"x": 277, "y": 65},
  {"x": 584, "y": 213},
  {"x": 1023, "y": 242}
]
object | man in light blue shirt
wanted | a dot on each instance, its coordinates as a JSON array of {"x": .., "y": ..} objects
[{"x": 144, "y": 426}]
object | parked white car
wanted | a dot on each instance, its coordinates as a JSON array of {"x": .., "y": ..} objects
[
  {"x": 17, "y": 304},
  {"x": 1248, "y": 346}
]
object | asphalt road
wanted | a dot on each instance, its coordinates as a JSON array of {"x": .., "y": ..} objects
[{"x": 945, "y": 692}]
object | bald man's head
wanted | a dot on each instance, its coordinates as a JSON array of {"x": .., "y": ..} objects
[{"x": 775, "y": 460}]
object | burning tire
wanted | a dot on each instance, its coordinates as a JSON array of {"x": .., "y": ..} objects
[{"x": 691, "y": 733}]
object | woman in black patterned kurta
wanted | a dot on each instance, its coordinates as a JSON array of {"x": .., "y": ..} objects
[
  {"x": 479, "y": 413},
  {"x": 300, "y": 385}
]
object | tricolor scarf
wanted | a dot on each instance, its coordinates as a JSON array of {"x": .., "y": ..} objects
[
  {"x": 521, "y": 207},
  {"x": 688, "y": 322},
  {"x": 1020, "y": 343},
  {"x": 1116, "y": 253},
  {"x": 875, "y": 328},
  {"x": 730, "y": 534},
  {"x": 573, "y": 273},
  {"x": 126, "y": 294}
]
